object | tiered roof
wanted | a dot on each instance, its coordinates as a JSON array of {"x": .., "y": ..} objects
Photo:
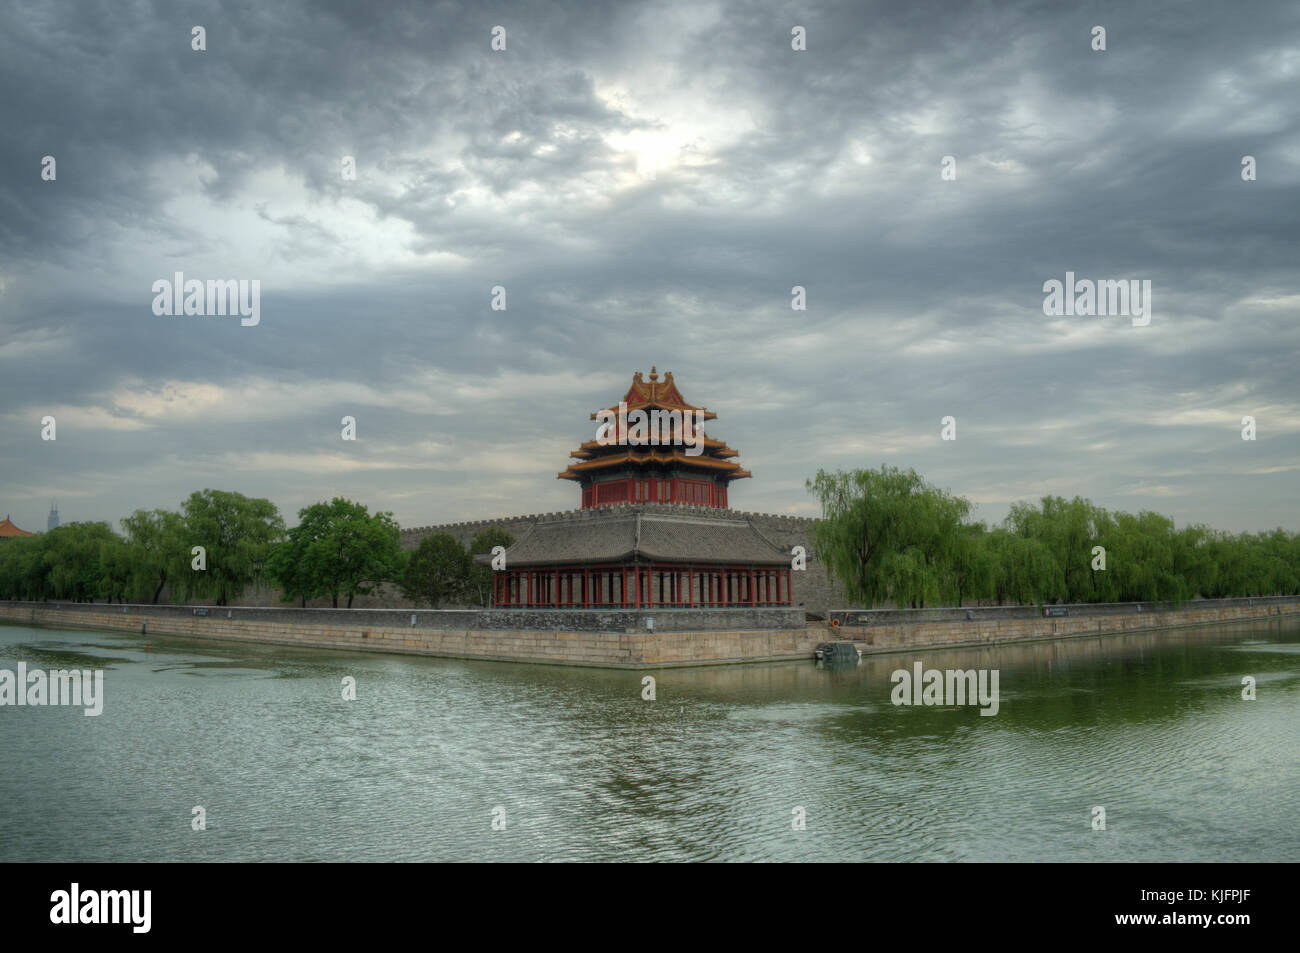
[{"x": 662, "y": 395}]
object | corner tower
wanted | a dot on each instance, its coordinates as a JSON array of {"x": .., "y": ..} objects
[{"x": 678, "y": 465}]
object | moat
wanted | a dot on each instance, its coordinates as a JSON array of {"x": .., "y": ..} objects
[{"x": 1151, "y": 725}]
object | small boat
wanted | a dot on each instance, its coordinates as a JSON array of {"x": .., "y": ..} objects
[{"x": 837, "y": 652}]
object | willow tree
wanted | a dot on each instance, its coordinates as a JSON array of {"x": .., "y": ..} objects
[
  {"x": 24, "y": 573},
  {"x": 973, "y": 565},
  {"x": 236, "y": 533},
  {"x": 74, "y": 555},
  {"x": 156, "y": 549},
  {"x": 887, "y": 536},
  {"x": 1026, "y": 573}
]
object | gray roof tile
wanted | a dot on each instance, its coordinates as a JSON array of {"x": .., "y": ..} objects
[{"x": 617, "y": 537}]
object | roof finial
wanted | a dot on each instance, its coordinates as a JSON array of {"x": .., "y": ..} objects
[{"x": 654, "y": 375}]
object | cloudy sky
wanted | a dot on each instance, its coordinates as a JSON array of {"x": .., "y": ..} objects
[{"x": 648, "y": 182}]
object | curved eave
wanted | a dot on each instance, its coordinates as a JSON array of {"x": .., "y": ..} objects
[
  {"x": 727, "y": 468},
  {"x": 591, "y": 447}
]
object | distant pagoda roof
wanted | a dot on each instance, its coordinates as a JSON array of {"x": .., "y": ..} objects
[
  {"x": 663, "y": 395},
  {"x": 8, "y": 530}
]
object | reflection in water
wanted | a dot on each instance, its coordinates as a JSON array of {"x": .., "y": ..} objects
[{"x": 1149, "y": 725}]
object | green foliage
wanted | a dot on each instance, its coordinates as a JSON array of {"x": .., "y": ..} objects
[
  {"x": 82, "y": 562},
  {"x": 336, "y": 549},
  {"x": 24, "y": 573},
  {"x": 480, "y": 577},
  {"x": 156, "y": 552},
  {"x": 237, "y": 533},
  {"x": 890, "y": 537},
  {"x": 438, "y": 571},
  {"x": 887, "y": 535},
  {"x": 1026, "y": 573}
]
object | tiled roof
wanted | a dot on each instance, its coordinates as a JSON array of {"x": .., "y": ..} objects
[
  {"x": 658, "y": 538},
  {"x": 664, "y": 395},
  {"x": 643, "y": 457},
  {"x": 658, "y": 393},
  {"x": 8, "y": 530}
]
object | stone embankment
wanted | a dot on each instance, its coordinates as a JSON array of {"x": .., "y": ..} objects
[{"x": 458, "y": 634}]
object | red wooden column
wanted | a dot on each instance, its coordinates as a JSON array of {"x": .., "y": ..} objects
[
  {"x": 691, "y": 573},
  {"x": 752, "y": 592}
]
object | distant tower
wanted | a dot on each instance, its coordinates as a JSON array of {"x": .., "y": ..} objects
[{"x": 53, "y": 520}]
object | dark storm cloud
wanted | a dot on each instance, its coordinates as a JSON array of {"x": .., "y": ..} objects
[{"x": 528, "y": 169}]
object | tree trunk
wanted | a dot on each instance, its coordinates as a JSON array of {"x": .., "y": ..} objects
[
  {"x": 334, "y": 599},
  {"x": 158, "y": 592},
  {"x": 349, "y": 600}
]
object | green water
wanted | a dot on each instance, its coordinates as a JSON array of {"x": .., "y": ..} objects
[{"x": 1151, "y": 727}]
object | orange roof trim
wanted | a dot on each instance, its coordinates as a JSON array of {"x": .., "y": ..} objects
[{"x": 8, "y": 530}]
